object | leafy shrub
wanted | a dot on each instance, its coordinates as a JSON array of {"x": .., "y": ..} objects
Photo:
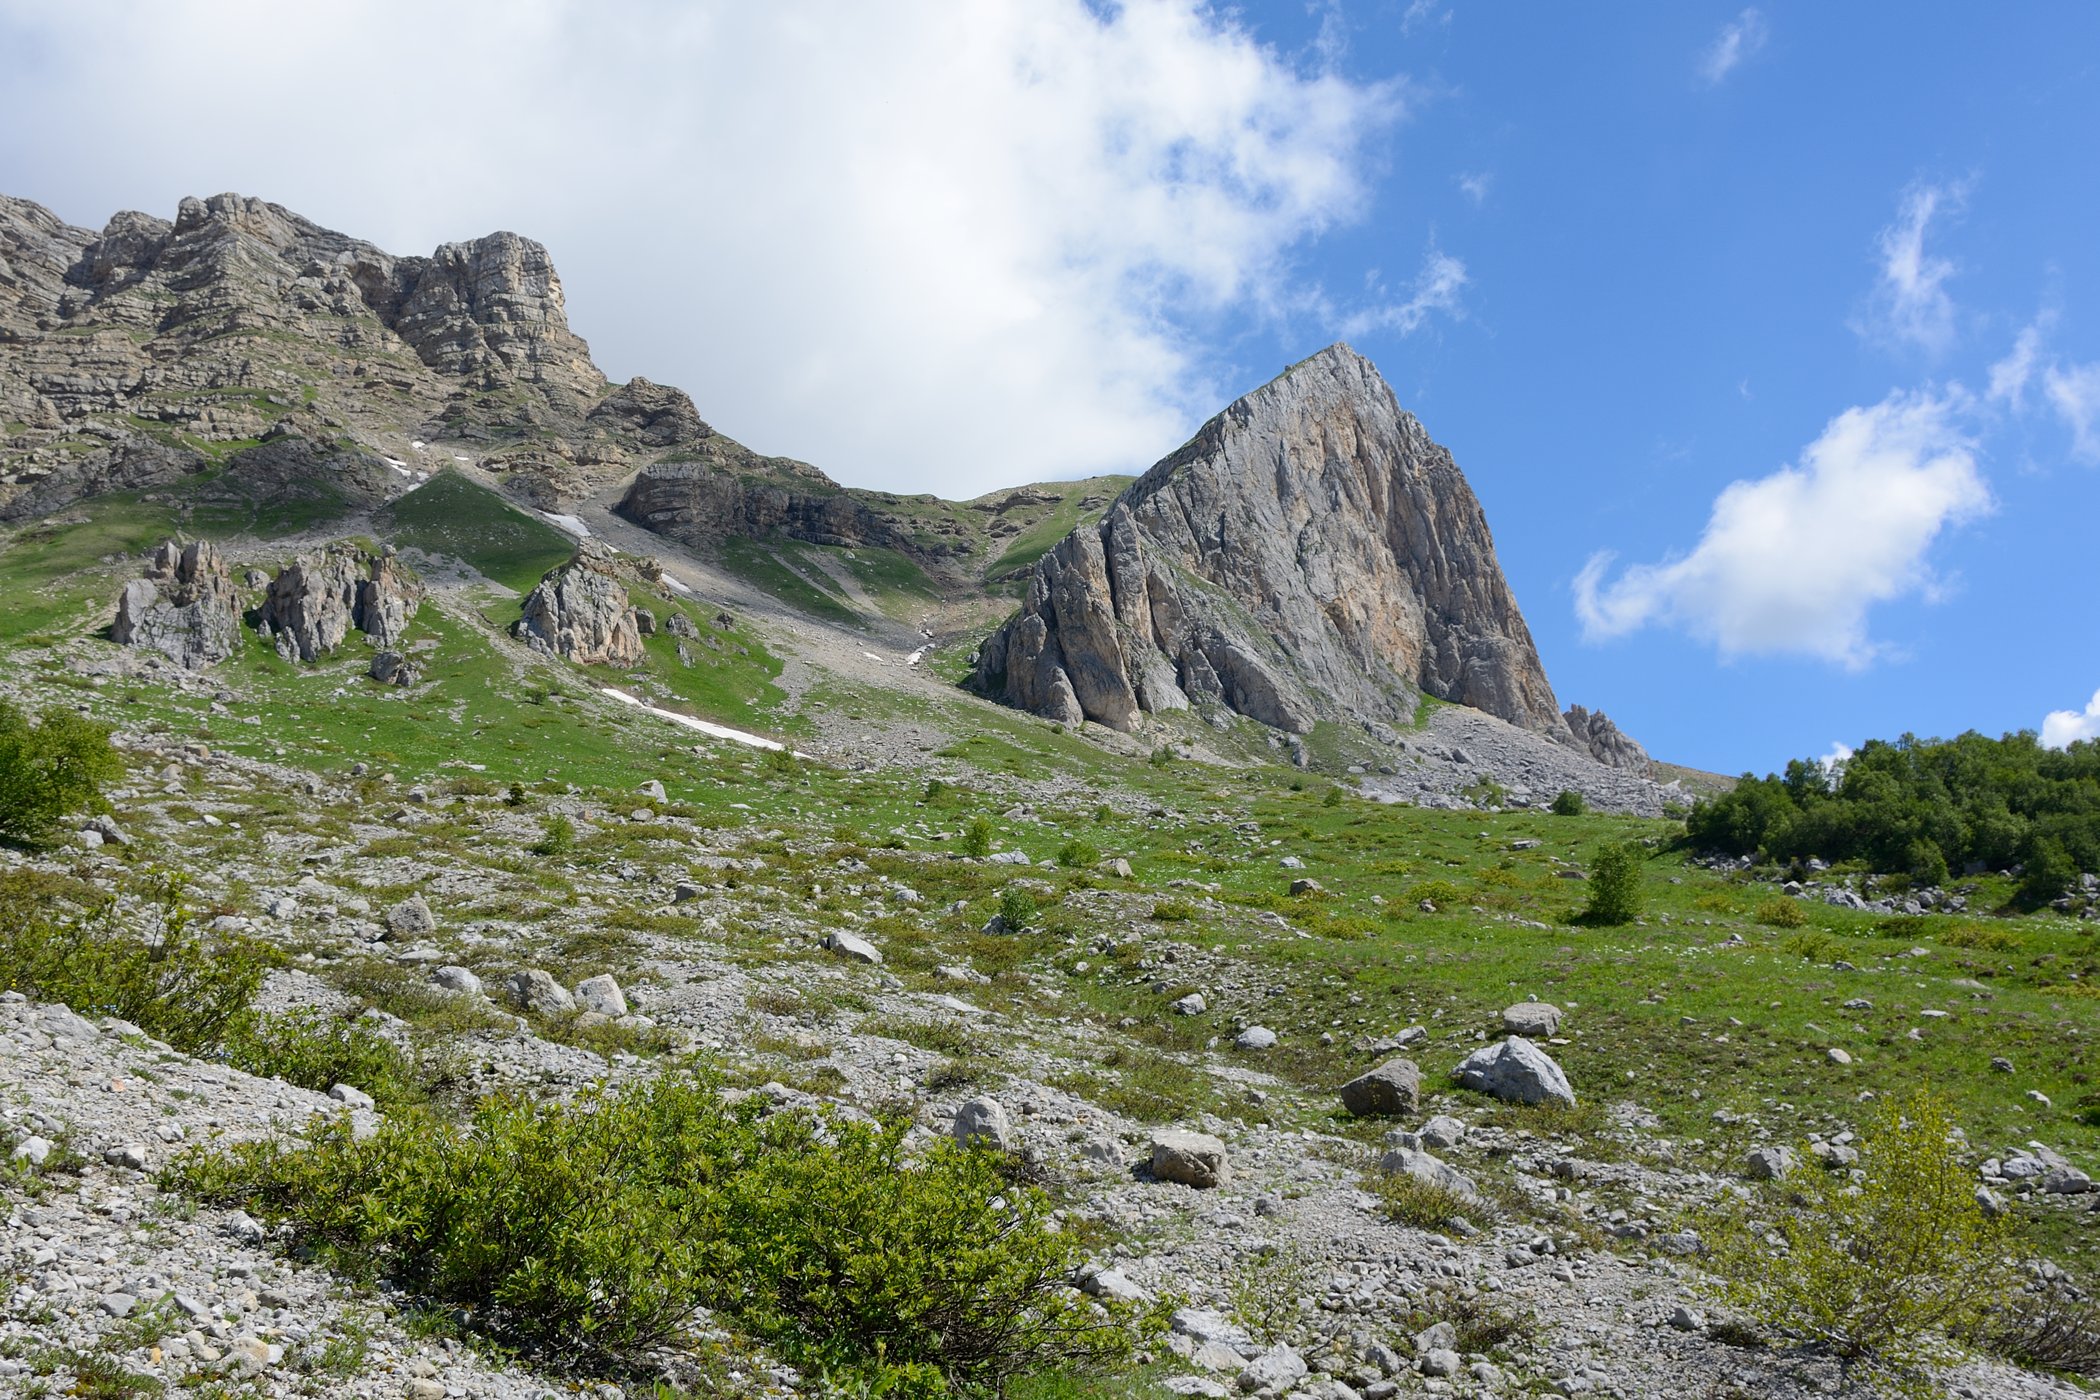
[
  {"x": 1422, "y": 1205},
  {"x": 1569, "y": 803},
  {"x": 1331, "y": 798},
  {"x": 557, "y": 838},
  {"x": 2048, "y": 1329},
  {"x": 2047, "y": 873},
  {"x": 1016, "y": 907},
  {"x": 173, "y": 983},
  {"x": 47, "y": 769},
  {"x": 977, "y": 838},
  {"x": 317, "y": 1051},
  {"x": 1883, "y": 1271},
  {"x": 1812, "y": 945},
  {"x": 590, "y": 1231},
  {"x": 1441, "y": 893},
  {"x": 1078, "y": 855},
  {"x": 1173, "y": 911},
  {"x": 1615, "y": 886},
  {"x": 1781, "y": 912},
  {"x": 1161, "y": 757},
  {"x": 1263, "y": 1297}
]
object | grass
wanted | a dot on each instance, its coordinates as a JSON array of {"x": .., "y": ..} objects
[
  {"x": 765, "y": 566},
  {"x": 464, "y": 520}
]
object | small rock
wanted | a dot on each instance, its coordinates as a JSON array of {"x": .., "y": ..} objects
[
  {"x": 536, "y": 991},
  {"x": 1515, "y": 1071},
  {"x": 411, "y": 918},
  {"x": 1255, "y": 1038},
  {"x": 1191, "y": 1005},
  {"x": 983, "y": 1119},
  {"x": 34, "y": 1150},
  {"x": 1837, "y": 1056},
  {"x": 1274, "y": 1371},
  {"x": 129, "y": 1155},
  {"x": 1442, "y": 1131},
  {"x": 458, "y": 980},
  {"x": 350, "y": 1098},
  {"x": 1302, "y": 887},
  {"x": 1534, "y": 1020},
  {"x": 852, "y": 947},
  {"x": 602, "y": 994}
]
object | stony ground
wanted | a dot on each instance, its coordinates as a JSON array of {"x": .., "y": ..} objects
[{"x": 1577, "y": 1277}]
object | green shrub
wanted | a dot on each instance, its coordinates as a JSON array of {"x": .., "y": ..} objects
[
  {"x": 590, "y": 1231},
  {"x": 47, "y": 769},
  {"x": 1781, "y": 912},
  {"x": 1615, "y": 886},
  {"x": 1173, "y": 911},
  {"x": 2047, "y": 873},
  {"x": 1016, "y": 907},
  {"x": 173, "y": 983},
  {"x": 1161, "y": 757},
  {"x": 1264, "y": 1296},
  {"x": 977, "y": 838},
  {"x": 318, "y": 1051},
  {"x": 1569, "y": 803},
  {"x": 1078, "y": 855},
  {"x": 1418, "y": 1204},
  {"x": 1882, "y": 1271},
  {"x": 557, "y": 838}
]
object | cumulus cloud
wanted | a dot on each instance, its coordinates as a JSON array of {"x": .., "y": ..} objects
[
  {"x": 1794, "y": 562},
  {"x": 925, "y": 245},
  {"x": 1476, "y": 186},
  {"x": 1739, "y": 40},
  {"x": 2074, "y": 392},
  {"x": 1910, "y": 306},
  {"x": 2062, "y": 728},
  {"x": 1833, "y": 763}
]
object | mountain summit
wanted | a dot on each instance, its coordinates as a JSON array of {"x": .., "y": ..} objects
[{"x": 1310, "y": 554}]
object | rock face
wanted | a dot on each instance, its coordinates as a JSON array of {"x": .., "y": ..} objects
[
  {"x": 1605, "y": 741},
  {"x": 1309, "y": 554},
  {"x": 185, "y": 607},
  {"x": 316, "y": 600},
  {"x": 581, "y": 611}
]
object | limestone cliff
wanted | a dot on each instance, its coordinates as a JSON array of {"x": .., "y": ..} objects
[{"x": 1311, "y": 553}]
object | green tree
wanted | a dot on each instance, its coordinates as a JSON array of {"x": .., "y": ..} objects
[
  {"x": 48, "y": 769},
  {"x": 1615, "y": 886},
  {"x": 2049, "y": 871},
  {"x": 1569, "y": 804}
]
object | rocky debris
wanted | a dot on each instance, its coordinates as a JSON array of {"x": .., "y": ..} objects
[
  {"x": 1534, "y": 1020},
  {"x": 983, "y": 1119},
  {"x": 1515, "y": 1071},
  {"x": 184, "y": 607},
  {"x": 316, "y": 600},
  {"x": 1442, "y": 1131},
  {"x": 581, "y": 611},
  {"x": 1595, "y": 734},
  {"x": 1310, "y": 553},
  {"x": 1191, "y": 1159},
  {"x": 1392, "y": 1090},
  {"x": 1274, "y": 1371},
  {"x": 534, "y": 990}
]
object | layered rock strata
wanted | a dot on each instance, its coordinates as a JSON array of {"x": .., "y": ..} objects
[
  {"x": 581, "y": 611},
  {"x": 1310, "y": 554}
]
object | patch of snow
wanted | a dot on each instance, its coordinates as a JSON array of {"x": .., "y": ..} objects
[
  {"x": 417, "y": 445},
  {"x": 401, "y": 467},
  {"x": 569, "y": 524},
  {"x": 457, "y": 458},
  {"x": 717, "y": 731},
  {"x": 913, "y": 659},
  {"x": 677, "y": 587},
  {"x": 871, "y": 656}
]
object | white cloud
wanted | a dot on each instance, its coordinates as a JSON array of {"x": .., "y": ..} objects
[
  {"x": 1740, "y": 39},
  {"x": 1436, "y": 289},
  {"x": 1833, "y": 763},
  {"x": 1421, "y": 14},
  {"x": 1910, "y": 306},
  {"x": 2075, "y": 394},
  {"x": 2009, "y": 377},
  {"x": 1476, "y": 186},
  {"x": 2062, "y": 728},
  {"x": 1794, "y": 561},
  {"x": 924, "y": 245}
]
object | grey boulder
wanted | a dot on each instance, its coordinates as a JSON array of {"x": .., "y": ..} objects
[
  {"x": 1192, "y": 1159},
  {"x": 1392, "y": 1089},
  {"x": 1515, "y": 1071}
]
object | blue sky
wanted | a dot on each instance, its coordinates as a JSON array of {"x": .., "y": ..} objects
[{"x": 1769, "y": 337}]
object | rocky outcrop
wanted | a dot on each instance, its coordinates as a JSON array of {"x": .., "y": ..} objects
[
  {"x": 316, "y": 600},
  {"x": 581, "y": 611},
  {"x": 185, "y": 606},
  {"x": 1604, "y": 741},
  {"x": 1311, "y": 553}
]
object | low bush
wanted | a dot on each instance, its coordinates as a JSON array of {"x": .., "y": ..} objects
[
  {"x": 1781, "y": 912},
  {"x": 1078, "y": 855},
  {"x": 557, "y": 838},
  {"x": 47, "y": 769},
  {"x": 171, "y": 981},
  {"x": 1569, "y": 803},
  {"x": 1423, "y": 1205},
  {"x": 1173, "y": 911},
  {"x": 1882, "y": 1271},
  {"x": 1016, "y": 907},
  {"x": 2049, "y": 1328},
  {"x": 318, "y": 1051},
  {"x": 590, "y": 1231},
  {"x": 977, "y": 838}
]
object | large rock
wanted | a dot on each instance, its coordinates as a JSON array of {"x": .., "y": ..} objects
[
  {"x": 185, "y": 606},
  {"x": 535, "y": 990},
  {"x": 1515, "y": 1071},
  {"x": 984, "y": 1120},
  {"x": 1310, "y": 554},
  {"x": 316, "y": 601},
  {"x": 1534, "y": 1020},
  {"x": 1193, "y": 1159},
  {"x": 1389, "y": 1091},
  {"x": 1423, "y": 1167},
  {"x": 581, "y": 611}
]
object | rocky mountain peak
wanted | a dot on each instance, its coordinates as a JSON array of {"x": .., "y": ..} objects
[{"x": 1311, "y": 553}]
